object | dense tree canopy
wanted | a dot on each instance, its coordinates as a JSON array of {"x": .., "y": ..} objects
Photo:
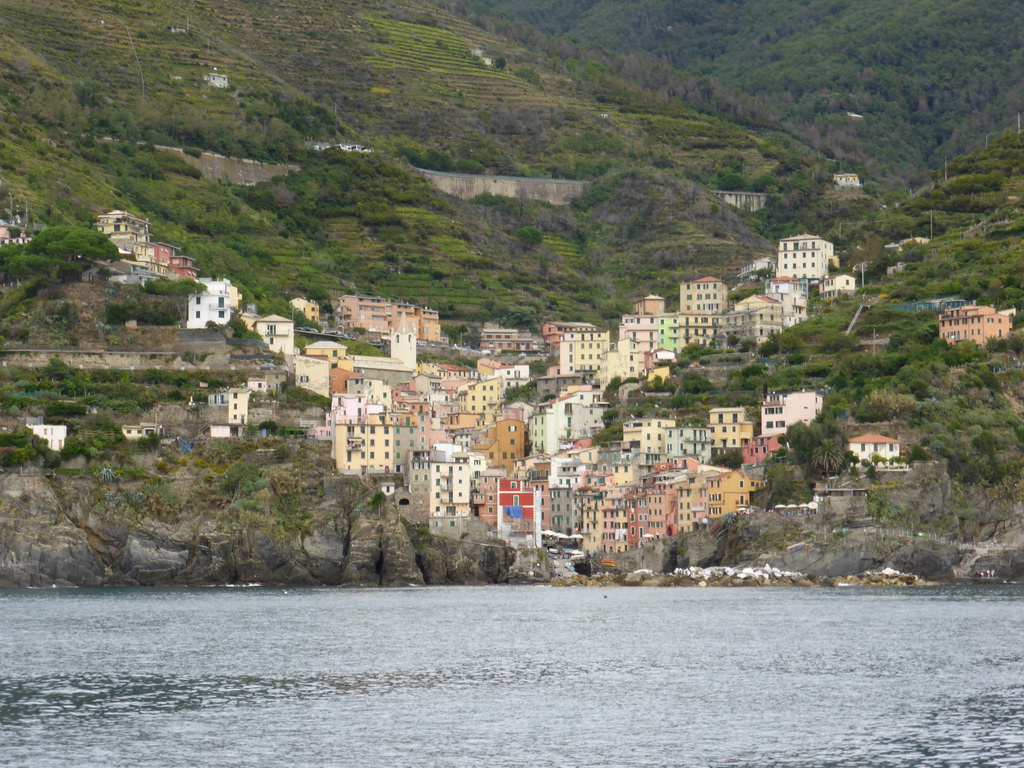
[{"x": 58, "y": 254}]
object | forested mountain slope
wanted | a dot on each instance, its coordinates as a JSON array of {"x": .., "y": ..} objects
[{"x": 929, "y": 77}]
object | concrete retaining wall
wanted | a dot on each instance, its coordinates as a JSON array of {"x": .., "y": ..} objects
[
  {"x": 132, "y": 361},
  {"x": 466, "y": 186},
  {"x": 745, "y": 201},
  {"x": 237, "y": 170}
]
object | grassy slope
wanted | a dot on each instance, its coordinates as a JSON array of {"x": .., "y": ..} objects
[{"x": 398, "y": 76}]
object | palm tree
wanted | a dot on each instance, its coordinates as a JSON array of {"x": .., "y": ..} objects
[{"x": 828, "y": 457}]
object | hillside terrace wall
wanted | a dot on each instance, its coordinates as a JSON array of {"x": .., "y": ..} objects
[
  {"x": 466, "y": 186},
  {"x": 179, "y": 418},
  {"x": 132, "y": 361},
  {"x": 236, "y": 170}
]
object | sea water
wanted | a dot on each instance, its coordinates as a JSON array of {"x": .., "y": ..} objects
[{"x": 513, "y": 676}]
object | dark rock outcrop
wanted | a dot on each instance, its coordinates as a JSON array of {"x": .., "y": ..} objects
[
  {"x": 49, "y": 536},
  {"x": 931, "y": 560}
]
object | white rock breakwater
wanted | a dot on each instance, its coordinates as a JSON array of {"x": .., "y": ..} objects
[{"x": 749, "y": 576}]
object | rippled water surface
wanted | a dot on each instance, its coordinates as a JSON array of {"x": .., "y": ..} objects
[{"x": 513, "y": 676}]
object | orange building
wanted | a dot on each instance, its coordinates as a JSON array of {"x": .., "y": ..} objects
[
  {"x": 381, "y": 317},
  {"x": 503, "y": 443},
  {"x": 975, "y": 323}
]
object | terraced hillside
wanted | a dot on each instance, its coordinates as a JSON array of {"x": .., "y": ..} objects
[{"x": 418, "y": 85}]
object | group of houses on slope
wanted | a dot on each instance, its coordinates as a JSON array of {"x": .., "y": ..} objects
[
  {"x": 142, "y": 258},
  {"x": 458, "y": 455}
]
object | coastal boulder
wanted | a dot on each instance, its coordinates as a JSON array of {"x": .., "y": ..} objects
[{"x": 929, "y": 559}]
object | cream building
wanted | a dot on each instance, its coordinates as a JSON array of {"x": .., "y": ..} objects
[
  {"x": 707, "y": 296},
  {"x": 755, "y": 317},
  {"x": 314, "y": 374},
  {"x": 278, "y": 332},
  {"x": 838, "y": 285},
  {"x": 581, "y": 351},
  {"x": 806, "y": 257}
]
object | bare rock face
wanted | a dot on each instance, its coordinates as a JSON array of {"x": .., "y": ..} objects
[
  {"x": 855, "y": 554},
  {"x": 51, "y": 537},
  {"x": 469, "y": 561},
  {"x": 364, "y": 555},
  {"x": 398, "y": 558},
  {"x": 931, "y": 560},
  {"x": 1007, "y": 564}
]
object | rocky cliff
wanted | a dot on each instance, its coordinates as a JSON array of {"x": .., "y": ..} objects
[
  {"x": 766, "y": 541},
  {"x": 53, "y": 533}
]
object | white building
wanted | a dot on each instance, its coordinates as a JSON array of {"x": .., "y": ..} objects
[
  {"x": 216, "y": 80},
  {"x": 764, "y": 264},
  {"x": 806, "y": 257},
  {"x": 781, "y": 410},
  {"x": 278, "y": 332},
  {"x": 213, "y": 305},
  {"x": 838, "y": 285},
  {"x": 53, "y": 434},
  {"x": 866, "y": 447},
  {"x": 567, "y": 418}
]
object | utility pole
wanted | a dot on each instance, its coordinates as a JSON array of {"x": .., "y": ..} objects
[{"x": 931, "y": 225}]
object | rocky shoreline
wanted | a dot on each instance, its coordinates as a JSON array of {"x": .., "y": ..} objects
[
  {"x": 722, "y": 576},
  {"x": 66, "y": 532}
]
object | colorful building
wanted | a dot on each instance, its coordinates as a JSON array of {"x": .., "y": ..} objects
[
  {"x": 975, "y": 323},
  {"x": 729, "y": 428}
]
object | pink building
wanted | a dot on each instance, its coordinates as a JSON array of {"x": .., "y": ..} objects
[
  {"x": 642, "y": 329},
  {"x": 760, "y": 449},
  {"x": 351, "y": 409},
  {"x": 552, "y": 333},
  {"x": 184, "y": 266},
  {"x": 382, "y": 317}
]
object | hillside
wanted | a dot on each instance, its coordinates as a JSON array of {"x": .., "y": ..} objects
[
  {"x": 962, "y": 404},
  {"x": 930, "y": 79},
  {"x": 421, "y": 87}
]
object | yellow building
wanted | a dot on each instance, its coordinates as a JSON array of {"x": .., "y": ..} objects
[
  {"x": 331, "y": 351},
  {"x": 364, "y": 448},
  {"x": 729, "y": 428},
  {"x": 124, "y": 229},
  {"x": 314, "y": 374},
  {"x": 310, "y": 309},
  {"x": 482, "y": 398},
  {"x": 647, "y": 434},
  {"x": 682, "y": 329},
  {"x": 582, "y": 351},
  {"x": 503, "y": 444},
  {"x": 730, "y": 492}
]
